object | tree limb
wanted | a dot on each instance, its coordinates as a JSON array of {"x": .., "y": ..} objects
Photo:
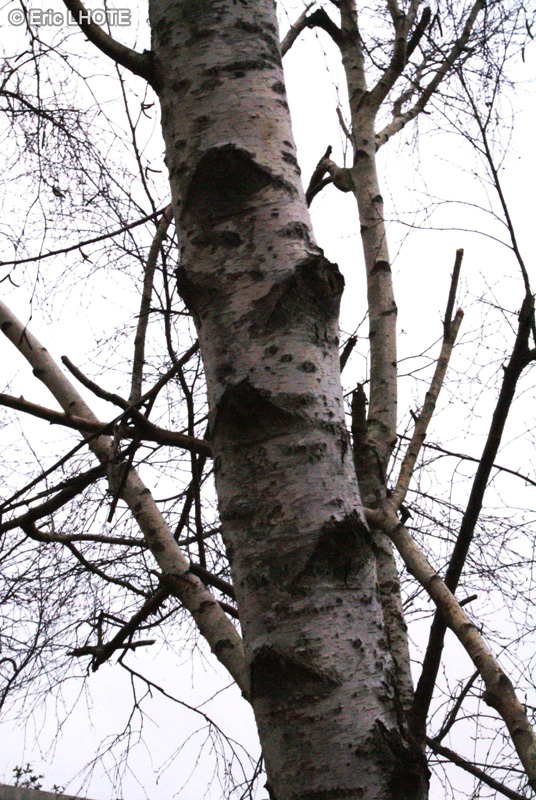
[
  {"x": 451, "y": 328},
  {"x": 518, "y": 361},
  {"x": 500, "y": 693},
  {"x": 102, "y": 238},
  {"x": 468, "y": 767},
  {"x": 399, "y": 122},
  {"x": 295, "y": 30},
  {"x": 210, "y": 618},
  {"x": 102, "y": 652},
  {"x": 143, "y": 317},
  {"x": 465, "y": 457},
  {"x": 58, "y": 501},
  {"x": 145, "y": 429},
  {"x": 139, "y": 63}
]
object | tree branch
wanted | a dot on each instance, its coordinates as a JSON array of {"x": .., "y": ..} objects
[
  {"x": 34, "y": 533},
  {"x": 102, "y": 652},
  {"x": 143, "y": 317},
  {"x": 145, "y": 429},
  {"x": 464, "y": 457},
  {"x": 85, "y": 243},
  {"x": 347, "y": 351},
  {"x": 453, "y": 713},
  {"x": 58, "y": 501},
  {"x": 321, "y": 19},
  {"x": 518, "y": 361},
  {"x": 213, "y": 624},
  {"x": 468, "y": 767},
  {"x": 295, "y": 30},
  {"x": 139, "y": 63},
  {"x": 450, "y": 333},
  {"x": 500, "y": 693},
  {"x": 399, "y": 122}
]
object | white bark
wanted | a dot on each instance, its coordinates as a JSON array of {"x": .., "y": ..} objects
[
  {"x": 265, "y": 301},
  {"x": 211, "y": 620},
  {"x": 371, "y": 463}
]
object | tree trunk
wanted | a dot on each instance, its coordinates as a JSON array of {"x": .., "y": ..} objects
[{"x": 265, "y": 302}]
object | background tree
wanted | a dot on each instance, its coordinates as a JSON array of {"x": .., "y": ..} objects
[{"x": 326, "y": 657}]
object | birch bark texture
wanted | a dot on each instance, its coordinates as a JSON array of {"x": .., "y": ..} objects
[{"x": 265, "y": 301}]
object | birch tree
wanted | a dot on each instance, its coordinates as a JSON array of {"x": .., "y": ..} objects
[{"x": 309, "y": 619}]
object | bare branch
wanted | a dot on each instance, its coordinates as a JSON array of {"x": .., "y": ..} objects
[
  {"x": 500, "y": 693},
  {"x": 34, "y": 533},
  {"x": 418, "y": 32},
  {"x": 421, "y": 426},
  {"x": 347, "y": 351},
  {"x": 465, "y": 457},
  {"x": 432, "y": 659},
  {"x": 58, "y": 501},
  {"x": 210, "y": 618},
  {"x": 143, "y": 318},
  {"x": 102, "y": 652},
  {"x": 85, "y": 243},
  {"x": 295, "y": 30},
  {"x": 145, "y": 429},
  {"x": 139, "y": 63},
  {"x": 399, "y": 122},
  {"x": 468, "y": 767},
  {"x": 320, "y": 19},
  {"x": 497, "y": 183},
  {"x": 453, "y": 713}
]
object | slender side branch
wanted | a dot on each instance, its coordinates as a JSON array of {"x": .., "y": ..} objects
[
  {"x": 210, "y": 618},
  {"x": 122, "y": 639},
  {"x": 449, "y": 754},
  {"x": 143, "y": 318},
  {"x": 139, "y": 63},
  {"x": 497, "y": 183},
  {"x": 465, "y": 457},
  {"x": 453, "y": 713},
  {"x": 379, "y": 92},
  {"x": 94, "y": 240},
  {"x": 33, "y": 532},
  {"x": 144, "y": 429},
  {"x": 450, "y": 328},
  {"x": 500, "y": 693},
  {"x": 347, "y": 351},
  {"x": 418, "y": 32},
  {"x": 58, "y": 501}
]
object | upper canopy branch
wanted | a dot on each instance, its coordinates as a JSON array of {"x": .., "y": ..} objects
[
  {"x": 402, "y": 119},
  {"x": 403, "y": 23},
  {"x": 139, "y": 63}
]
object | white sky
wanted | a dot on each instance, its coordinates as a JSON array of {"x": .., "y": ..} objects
[{"x": 422, "y": 269}]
